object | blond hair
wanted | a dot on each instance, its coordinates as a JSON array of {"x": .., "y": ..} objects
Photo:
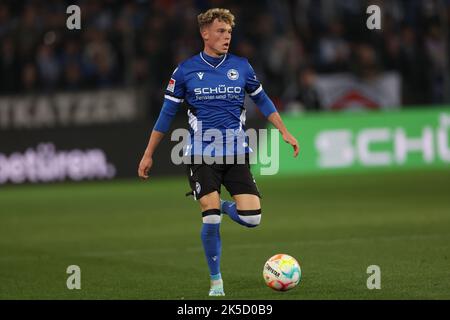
[{"x": 206, "y": 18}]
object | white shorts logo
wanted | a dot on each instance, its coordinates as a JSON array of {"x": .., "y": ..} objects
[
  {"x": 171, "y": 85},
  {"x": 198, "y": 187},
  {"x": 232, "y": 74}
]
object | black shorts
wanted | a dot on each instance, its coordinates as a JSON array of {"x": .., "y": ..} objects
[{"x": 206, "y": 178}]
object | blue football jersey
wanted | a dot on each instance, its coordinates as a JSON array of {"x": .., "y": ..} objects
[{"x": 214, "y": 95}]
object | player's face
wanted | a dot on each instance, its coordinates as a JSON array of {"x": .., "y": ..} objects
[{"x": 217, "y": 38}]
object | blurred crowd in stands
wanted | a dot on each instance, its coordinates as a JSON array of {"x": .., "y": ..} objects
[{"x": 288, "y": 42}]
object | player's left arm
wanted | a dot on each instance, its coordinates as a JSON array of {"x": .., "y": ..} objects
[
  {"x": 267, "y": 108},
  {"x": 276, "y": 120}
]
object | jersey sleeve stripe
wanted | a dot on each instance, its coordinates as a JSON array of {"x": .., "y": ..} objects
[
  {"x": 177, "y": 100},
  {"x": 254, "y": 93}
]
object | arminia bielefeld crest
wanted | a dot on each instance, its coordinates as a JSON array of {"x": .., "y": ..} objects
[{"x": 232, "y": 74}]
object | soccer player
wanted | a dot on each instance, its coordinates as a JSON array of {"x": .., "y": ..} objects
[{"x": 213, "y": 83}]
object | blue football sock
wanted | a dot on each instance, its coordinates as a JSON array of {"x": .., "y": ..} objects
[{"x": 212, "y": 245}]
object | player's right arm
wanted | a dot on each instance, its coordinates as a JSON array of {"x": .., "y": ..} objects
[
  {"x": 172, "y": 101},
  {"x": 147, "y": 159}
]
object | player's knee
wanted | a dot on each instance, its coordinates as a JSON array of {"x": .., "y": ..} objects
[
  {"x": 252, "y": 218},
  {"x": 210, "y": 201}
]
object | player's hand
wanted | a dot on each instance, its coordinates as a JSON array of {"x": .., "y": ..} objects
[
  {"x": 289, "y": 138},
  {"x": 144, "y": 167}
]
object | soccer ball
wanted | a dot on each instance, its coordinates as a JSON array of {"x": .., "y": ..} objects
[{"x": 282, "y": 272}]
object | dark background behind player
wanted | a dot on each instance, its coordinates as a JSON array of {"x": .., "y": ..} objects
[{"x": 137, "y": 44}]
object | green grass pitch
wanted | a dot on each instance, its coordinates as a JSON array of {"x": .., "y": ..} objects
[{"x": 141, "y": 240}]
